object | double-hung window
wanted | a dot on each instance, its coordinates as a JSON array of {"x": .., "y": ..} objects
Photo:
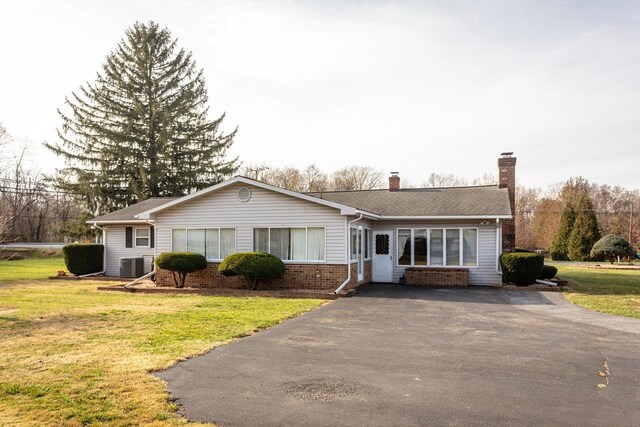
[
  {"x": 291, "y": 244},
  {"x": 438, "y": 247},
  {"x": 142, "y": 237},
  {"x": 213, "y": 243}
]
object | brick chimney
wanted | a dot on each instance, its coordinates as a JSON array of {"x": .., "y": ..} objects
[
  {"x": 394, "y": 182},
  {"x": 507, "y": 179}
]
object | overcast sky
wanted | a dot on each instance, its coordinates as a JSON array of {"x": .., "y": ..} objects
[{"x": 416, "y": 87}]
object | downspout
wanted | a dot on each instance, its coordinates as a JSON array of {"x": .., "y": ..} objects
[{"x": 337, "y": 291}]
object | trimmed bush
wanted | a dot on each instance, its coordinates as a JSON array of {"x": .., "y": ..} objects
[
  {"x": 521, "y": 268},
  {"x": 83, "y": 258},
  {"x": 548, "y": 272},
  {"x": 253, "y": 266},
  {"x": 611, "y": 247},
  {"x": 181, "y": 263}
]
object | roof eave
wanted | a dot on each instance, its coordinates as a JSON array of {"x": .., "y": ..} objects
[
  {"x": 440, "y": 217},
  {"x": 118, "y": 221}
]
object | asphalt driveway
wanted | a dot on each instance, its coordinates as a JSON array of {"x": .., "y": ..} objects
[{"x": 404, "y": 356}]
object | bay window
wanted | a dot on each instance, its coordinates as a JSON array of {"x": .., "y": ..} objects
[
  {"x": 451, "y": 247},
  {"x": 291, "y": 244},
  {"x": 213, "y": 243}
]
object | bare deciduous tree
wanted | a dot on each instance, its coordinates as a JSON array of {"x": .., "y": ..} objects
[
  {"x": 357, "y": 178},
  {"x": 438, "y": 180}
]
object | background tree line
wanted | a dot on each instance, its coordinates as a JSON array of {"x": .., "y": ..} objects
[{"x": 31, "y": 209}]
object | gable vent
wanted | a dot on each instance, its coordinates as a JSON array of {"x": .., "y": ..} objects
[{"x": 244, "y": 194}]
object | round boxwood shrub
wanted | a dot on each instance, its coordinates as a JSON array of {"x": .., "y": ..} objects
[
  {"x": 181, "y": 263},
  {"x": 253, "y": 266},
  {"x": 83, "y": 258},
  {"x": 521, "y": 268},
  {"x": 611, "y": 247},
  {"x": 548, "y": 272}
]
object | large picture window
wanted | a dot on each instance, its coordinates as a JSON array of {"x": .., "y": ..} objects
[
  {"x": 438, "y": 247},
  {"x": 291, "y": 244},
  {"x": 213, "y": 243}
]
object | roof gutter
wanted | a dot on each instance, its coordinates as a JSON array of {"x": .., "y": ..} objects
[{"x": 337, "y": 291}]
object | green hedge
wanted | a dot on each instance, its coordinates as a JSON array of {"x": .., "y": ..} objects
[
  {"x": 548, "y": 272},
  {"x": 181, "y": 263},
  {"x": 521, "y": 268},
  {"x": 83, "y": 258},
  {"x": 253, "y": 266}
]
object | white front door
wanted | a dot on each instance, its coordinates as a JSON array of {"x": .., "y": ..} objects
[
  {"x": 382, "y": 256},
  {"x": 360, "y": 256}
]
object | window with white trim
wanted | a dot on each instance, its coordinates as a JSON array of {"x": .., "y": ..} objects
[
  {"x": 450, "y": 247},
  {"x": 213, "y": 243},
  {"x": 142, "y": 237},
  {"x": 292, "y": 243}
]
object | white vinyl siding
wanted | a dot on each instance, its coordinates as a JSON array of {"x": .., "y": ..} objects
[
  {"x": 485, "y": 273},
  {"x": 265, "y": 209},
  {"x": 115, "y": 249}
]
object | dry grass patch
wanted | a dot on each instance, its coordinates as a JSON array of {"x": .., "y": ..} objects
[{"x": 75, "y": 356}]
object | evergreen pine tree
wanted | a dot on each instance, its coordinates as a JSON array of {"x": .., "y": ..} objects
[
  {"x": 142, "y": 128},
  {"x": 585, "y": 232},
  {"x": 559, "y": 247}
]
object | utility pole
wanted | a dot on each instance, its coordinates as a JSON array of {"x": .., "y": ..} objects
[
  {"x": 257, "y": 170},
  {"x": 631, "y": 224}
]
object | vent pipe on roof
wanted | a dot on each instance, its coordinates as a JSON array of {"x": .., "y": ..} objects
[{"x": 394, "y": 182}]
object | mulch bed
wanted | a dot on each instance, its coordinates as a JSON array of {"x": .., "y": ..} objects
[{"x": 284, "y": 293}]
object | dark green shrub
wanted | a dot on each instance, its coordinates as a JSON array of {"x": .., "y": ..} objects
[
  {"x": 521, "y": 268},
  {"x": 548, "y": 272},
  {"x": 181, "y": 263},
  {"x": 522, "y": 250},
  {"x": 83, "y": 258},
  {"x": 611, "y": 247},
  {"x": 253, "y": 266}
]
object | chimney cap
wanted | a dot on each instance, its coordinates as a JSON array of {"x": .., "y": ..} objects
[
  {"x": 507, "y": 154},
  {"x": 394, "y": 173}
]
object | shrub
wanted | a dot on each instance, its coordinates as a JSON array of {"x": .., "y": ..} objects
[
  {"x": 522, "y": 250},
  {"x": 611, "y": 247},
  {"x": 521, "y": 268},
  {"x": 253, "y": 266},
  {"x": 83, "y": 258},
  {"x": 181, "y": 263},
  {"x": 548, "y": 272}
]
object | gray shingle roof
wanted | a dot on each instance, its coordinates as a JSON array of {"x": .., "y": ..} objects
[
  {"x": 478, "y": 200},
  {"x": 129, "y": 212}
]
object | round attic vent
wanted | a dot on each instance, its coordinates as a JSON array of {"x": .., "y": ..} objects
[{"x": 244, "y": 194}]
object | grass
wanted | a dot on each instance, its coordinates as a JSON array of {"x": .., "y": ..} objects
[
  {"x": 36, "y": 267},
  {"x": 607, "y": 291},
  {"x": 72, "y": 355}
]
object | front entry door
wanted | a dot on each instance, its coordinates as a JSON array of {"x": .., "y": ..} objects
[{"x": 382, "y": 256}]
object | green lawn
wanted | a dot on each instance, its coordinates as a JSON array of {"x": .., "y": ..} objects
[
  {"x": 72, "y": 355},
  {"x": 34, "y": 268},
  {"x": 607, "y": 291}
]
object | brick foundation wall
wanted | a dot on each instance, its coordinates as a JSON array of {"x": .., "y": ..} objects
[
  {"x": 437, "y": 276},
  {"x": 296, "y": 276}
]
